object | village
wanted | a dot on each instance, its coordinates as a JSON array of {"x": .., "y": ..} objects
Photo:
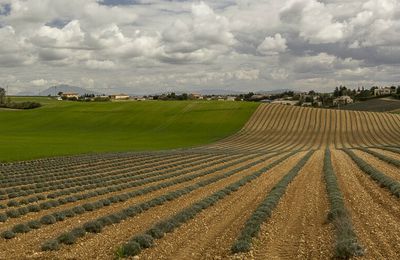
[{"x": 341, "y": 96}]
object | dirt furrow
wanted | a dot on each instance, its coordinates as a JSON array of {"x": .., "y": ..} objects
[
  {"x": 111, "y": 237},
  {"x": 31, "y": 241},
  {"x": 375, "y": 213},
  {"x": 216, "y": 228},
  {"x": 386, "y": 168},
  {"x": 297, "y": 228}
]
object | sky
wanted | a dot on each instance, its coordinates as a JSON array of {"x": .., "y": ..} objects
[{"x": 149, "y": 46}]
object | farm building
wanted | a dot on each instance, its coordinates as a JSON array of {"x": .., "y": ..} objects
[
  {"x": 69, "y": 95},
  {"x": 343, "y": 100},
  {"x": 120, "y": 97},
  {"x": 381, "y": 91},
  {"x": 196, "y": 96},
  {"x": 286, "y": 102}
]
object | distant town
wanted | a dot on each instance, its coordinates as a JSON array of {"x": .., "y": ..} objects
[{"x": 341, "y": 96}]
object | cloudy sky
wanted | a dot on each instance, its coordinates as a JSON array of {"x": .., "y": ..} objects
[{"x": 144, "y": 46}]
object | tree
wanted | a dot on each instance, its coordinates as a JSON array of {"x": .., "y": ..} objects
[
  {"x": 60, "y": 93},
  {"x": 336, "y": 93},
  {"x": 398, "y": 90},
  {"x": 2, "y": 96}
]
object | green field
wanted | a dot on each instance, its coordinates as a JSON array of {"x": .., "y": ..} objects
[{"x": 65, "y": 128}]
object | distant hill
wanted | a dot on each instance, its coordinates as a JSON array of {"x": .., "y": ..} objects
[
  {"x": 375, "y": 105},
  {"x": 276, "y": 91},
  {"x": 219, "y": 92},
  {"x": 66, "y": 88}
]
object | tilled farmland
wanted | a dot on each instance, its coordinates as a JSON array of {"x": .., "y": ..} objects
[{"x": 294, "y": 183}]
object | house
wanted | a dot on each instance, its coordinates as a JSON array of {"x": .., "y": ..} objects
[
  {"x": 285, "y": 102},
  {"x": 381, "y": 91},
  {"x": 196, "y": 96},
  {"x": 343, "y": 100},
  {"x": 120, "y": 97},
  {"x": 307, "y": 104},
  {"x": 68, "y": 95},
  {"x": 230, "y": 98}
]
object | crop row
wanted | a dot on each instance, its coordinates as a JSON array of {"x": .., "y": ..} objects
[
  {"x": 108, "y": 179},
  {"x": 97, "y": 225},
  {"x": 376, "y": 175},
  {"x": 157, "y": 231},
  {"x": 382, "y": 157},
  {"x": 60, "y": 163},
  {"x": 87, "y": 207},
  {"x": 83, "y": 173},
  {"x": 346, "y": 240},
  {"x": 264, "y": 210},
  {"x": 136, "y": 181},
  {"x": 115, "y": 181},
  {"x": 70, "y": 183}
]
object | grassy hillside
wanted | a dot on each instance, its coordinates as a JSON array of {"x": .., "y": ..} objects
[{"x": 64, "y": 128}]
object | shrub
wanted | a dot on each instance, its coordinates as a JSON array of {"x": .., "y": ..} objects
[
  {"x": 45, "y": 205},
  {"x": 67, "y": 238},
  {"x": 13, "y": 213},
  {"x": 145, "y": 241},
  {"x": 48, "y": 220},
  {"x": 69, "y": 213},
  {"x": 60, "y": 216},
  {"x": 51, "y": 245},
  {"x": 155, "y": 233},
  {"x": 23, "y": 211},
  {"x": 78, "y": 210},
  {"x": 130, "y": 249},
  {"x": 88, "y": 207},
  {"x": 8, "y": 234},
  {"x": 21, "y": 228},
  {"x": 33, "y": 208},
  {"x": 12, "y": 203},
  {"x": 78, "y": 232},
  {"x": 93, "y": 227},
  {"x": 241, "y": 246},
  {"x": 34, "y": 224},
  {"x": 3, "y": 217}
]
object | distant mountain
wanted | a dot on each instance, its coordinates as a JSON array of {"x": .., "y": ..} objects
[{"x": 66, "y": 88}]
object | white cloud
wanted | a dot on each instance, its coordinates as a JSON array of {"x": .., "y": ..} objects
[
  {"x": 272, "y": 45},
  {"x": 314, "y": 21},
  {"x": 100, "y": 64},
  {"x": 39, "y": 82},
  {"x": 177, "y": 44}
]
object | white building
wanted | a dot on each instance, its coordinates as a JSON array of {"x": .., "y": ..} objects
[
  {"x": 286, "y": 102},
  {"x": 381, "y": 91},
  {"x": 120, "y": 97},
  {"x": 343, "y": 100}
]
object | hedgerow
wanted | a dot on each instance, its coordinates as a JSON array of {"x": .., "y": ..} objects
[
  {"x": 391, "y": 184},
  {"x": 346, "y": 244},
  {"x": 264, "y": 210}
]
